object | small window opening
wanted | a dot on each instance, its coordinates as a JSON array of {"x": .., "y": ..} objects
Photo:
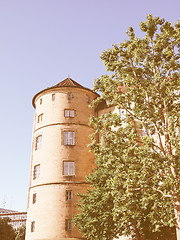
[
  {"x": 69, "y": 96},
  {"x": 38, "y": 141},
  {"x": 68, "y": 195},
  {"x": 68, "y": 225},
  {"x": 33, "y": 226},
  {"x": 36, "y": 172},
  {"x": 88, "y": 99},
  {"x": 53, "y": 97},
  {"x": 40, "y": 118},
  {"x": 34, "y": 198},
  {"x": 40, "y": 101}
]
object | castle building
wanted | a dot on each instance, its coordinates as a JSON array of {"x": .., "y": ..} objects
[
  {"x": 60, "y": 160},
  {"x": 17, "y": 219}
]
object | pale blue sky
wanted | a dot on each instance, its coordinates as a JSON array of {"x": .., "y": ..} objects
[{"x": 41, "y": 42}]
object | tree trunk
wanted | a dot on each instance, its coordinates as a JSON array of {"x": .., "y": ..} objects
[
  {"x": 177, "y": 215},
  {"x": 137, "y": 234}
]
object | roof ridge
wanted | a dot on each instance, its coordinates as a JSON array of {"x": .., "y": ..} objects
[{"x": 68, "y": 82}]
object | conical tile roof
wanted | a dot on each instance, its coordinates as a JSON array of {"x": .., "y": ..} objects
[{"x": 68, "y": 82}]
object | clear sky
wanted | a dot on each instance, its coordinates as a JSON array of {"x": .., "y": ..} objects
[{"x": 41, "y": 42}]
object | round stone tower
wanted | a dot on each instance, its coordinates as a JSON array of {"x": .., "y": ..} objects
[{"x": 60, "y": 160}]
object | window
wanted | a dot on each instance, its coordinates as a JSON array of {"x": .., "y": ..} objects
[
  {"x": 69, "y": 113},
  {"x": 88, "y": 99},
  {"x": 40, "y": 117},
  {"x": 68, "y": 225},
  {"x": 38, "y": 141},
  {"x": 53, "y": 97},
  {"x": 68, "y": 195},
  {"x": 69, "y": 138},
  {"x": 34, "y": 198},
  {"x": 36, "y": 172},
  {"x": 69, "y": 96},
  {"x": 40, "y": 101},
  {"x": 68, "y": 168},
  {"x": 33, "y": 226}
]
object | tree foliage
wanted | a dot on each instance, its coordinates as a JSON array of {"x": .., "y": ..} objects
[
  {"x": 135, "y": 188},
  {"x": 20, "y": 233},
  {"x": 6, "y": 230}
]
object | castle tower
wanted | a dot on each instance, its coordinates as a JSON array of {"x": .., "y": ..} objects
[{"x": 60, "y": 160}]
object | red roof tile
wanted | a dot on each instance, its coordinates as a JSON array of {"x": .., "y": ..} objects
[{"x": 68, "y": 82}]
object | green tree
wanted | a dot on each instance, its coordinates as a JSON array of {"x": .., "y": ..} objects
[
  {"x": 20, "y": 233},
  {"x": 97, "y": 221},
  {"x": 6, "y": 230},
  {"x": 138, "y": 151}
]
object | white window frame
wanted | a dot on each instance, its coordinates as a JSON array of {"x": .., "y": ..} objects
[
  {"x": 69, "y": 138},
  {"x": 69, "y": 168}
]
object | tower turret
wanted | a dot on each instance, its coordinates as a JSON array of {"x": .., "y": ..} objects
[{"x": 60, "y": 160}]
